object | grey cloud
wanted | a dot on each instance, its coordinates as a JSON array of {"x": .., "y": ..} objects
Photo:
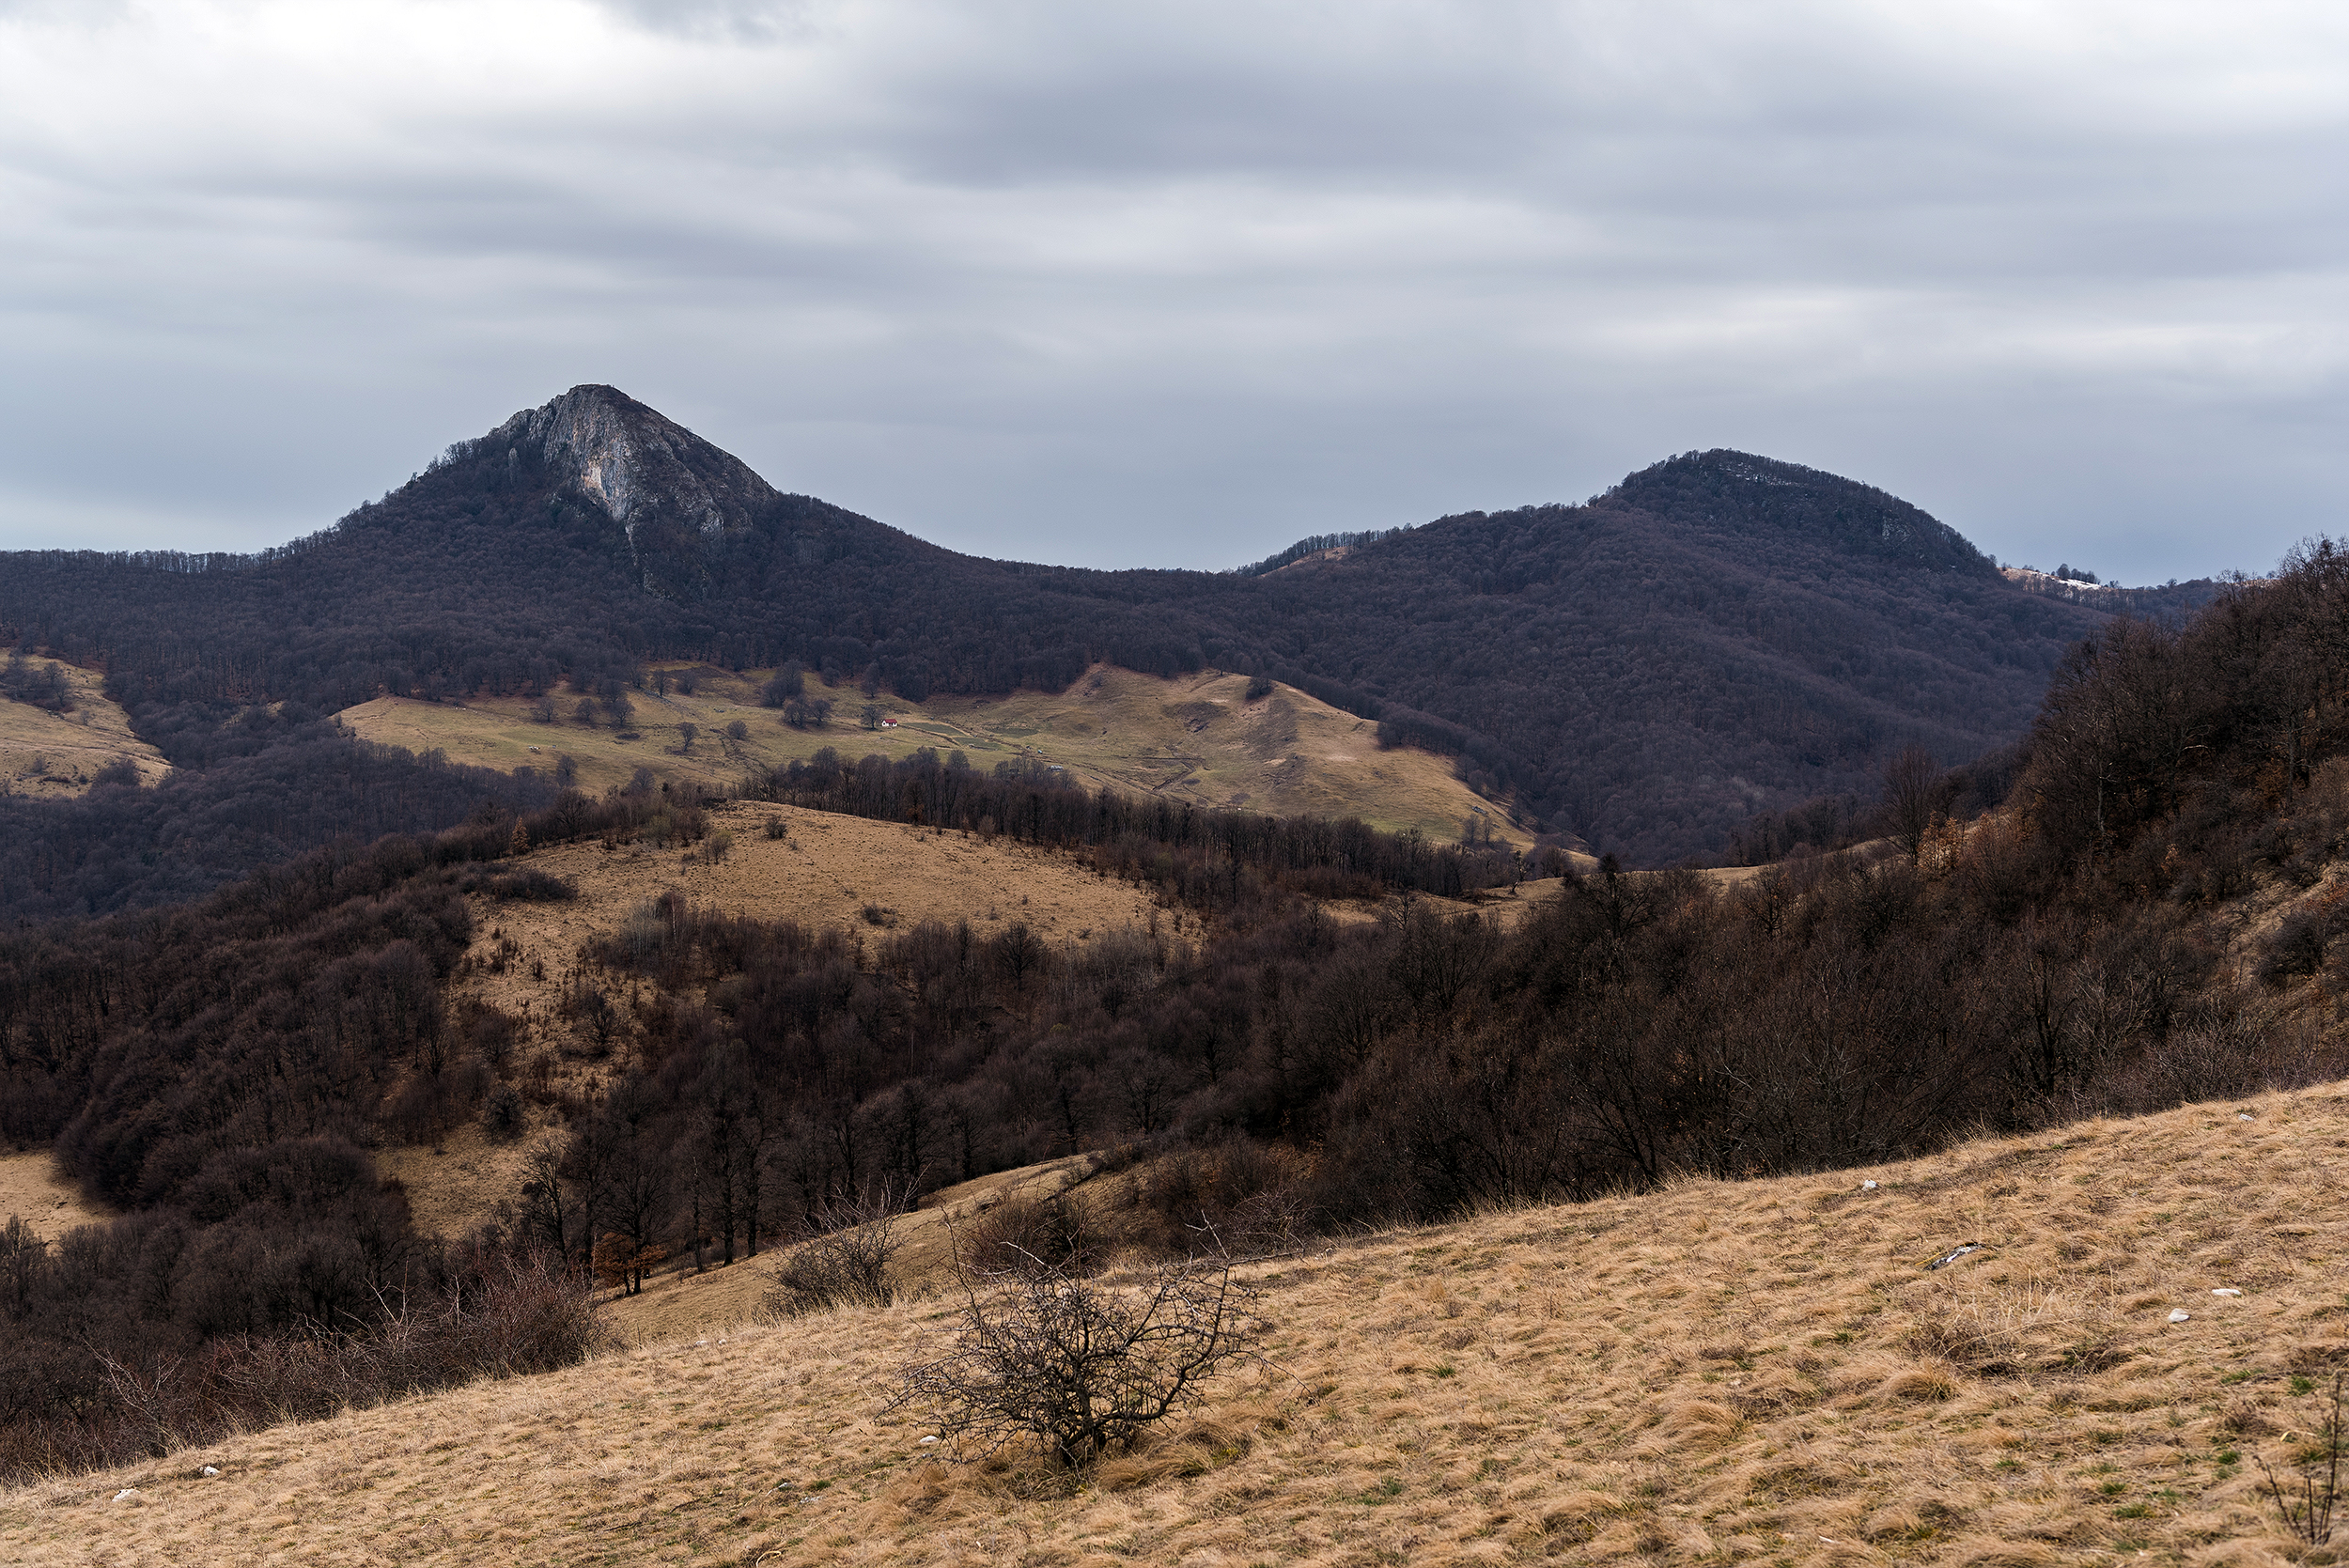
[
  {"x": 735, "y": 20},
  {"x": 1174, "y": 284}
]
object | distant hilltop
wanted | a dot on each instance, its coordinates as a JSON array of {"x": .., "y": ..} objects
[{"x": 2171, "y": 602}]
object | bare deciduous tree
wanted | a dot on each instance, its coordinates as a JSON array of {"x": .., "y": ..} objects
[{"x": 1911, "y": 783}]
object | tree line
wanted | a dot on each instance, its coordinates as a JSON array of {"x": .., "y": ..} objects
[{"x": 1201, "y": 857}]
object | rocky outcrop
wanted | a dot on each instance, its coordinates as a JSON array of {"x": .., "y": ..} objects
[{"x": 678, "y": 499}]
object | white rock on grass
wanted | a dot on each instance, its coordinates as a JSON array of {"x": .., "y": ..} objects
[
  {"x": 2180, "y": 1314},
  {"x": 1867, "y": 1187},
  {"x": 125, "y": 1494},
  {"x": 212, "y": 1470},
  {"x": 2226, "y": 1290}
]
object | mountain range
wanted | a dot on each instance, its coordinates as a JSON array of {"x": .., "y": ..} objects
[
  {"x": 1719, "y": 634},
  {"x": 505, "y": 1034}
]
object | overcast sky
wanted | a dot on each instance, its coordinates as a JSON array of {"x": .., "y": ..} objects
[{"x": 1173, "y": 285}]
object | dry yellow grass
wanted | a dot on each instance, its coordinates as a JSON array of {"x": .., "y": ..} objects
[
  {"x": 681, "y": 1305},
  {"x": 827, "y": 871},
  {"x": 1717, "y": 1372},
  {"x": 31, "y": 1190},
  {"x": 457, "y": 1185},
  {"x": 1193, "y": 738},
  {"x": 57, "y": 755}
]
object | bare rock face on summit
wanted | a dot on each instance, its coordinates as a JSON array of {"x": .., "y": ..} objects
[{"x": 679, "y": 500}]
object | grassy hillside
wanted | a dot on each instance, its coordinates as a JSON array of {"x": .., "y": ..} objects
[
  {"x": 683, "y": 1305},
  {"x": 826, "y": 870},
  {"x": 1195, "y": 738},
  {"x": 54, "y": 755},
  {"x": 31, "y": 1189},
  {"x": 1717, "y": 1372}
]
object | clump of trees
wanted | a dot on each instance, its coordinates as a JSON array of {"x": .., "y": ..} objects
[
  {"x": 42, "y": 687},
  {"x": 1202, "y": 858},
  {"x": 99, "y": 1366},
  {"x": 846, "y": 1257}
]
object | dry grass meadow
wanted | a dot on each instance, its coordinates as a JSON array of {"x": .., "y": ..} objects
[
  {"x": 826, "y": 870},
  {"x": 682, "y": 1305},
  {"x": 1194, "y": 739},
  {"x": 57, "y": 755},
  {"x": 829, "y": 870},
  {"x": 1717, "y": 1372},
  {"x": 31, "y": 1189}
]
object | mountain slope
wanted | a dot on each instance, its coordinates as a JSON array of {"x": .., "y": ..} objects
[
  {"x": 1195, "y": 738},
  {"x": 1720, "y": 634},
  {"x": 1762, "y": 1371},
  {"x": 55, "y": 754}
]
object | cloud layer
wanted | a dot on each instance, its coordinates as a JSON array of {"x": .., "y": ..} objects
[{"x": 1176, "y": 283}]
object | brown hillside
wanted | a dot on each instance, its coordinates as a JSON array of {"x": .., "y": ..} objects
[
  {"x": 56, "y": 754},
  {"x": 1195, "y": 738},
  {"x": 1719, "y": 1372},
  {"x": 682, "y": 1305},
  {"x": 829, "y": 870},
  {"x": 31, "y": 1190}
]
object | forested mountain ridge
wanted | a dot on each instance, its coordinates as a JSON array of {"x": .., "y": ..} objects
[
  {"x": 2156, "y": 918},
  {"x": 1719, "y": 633}
]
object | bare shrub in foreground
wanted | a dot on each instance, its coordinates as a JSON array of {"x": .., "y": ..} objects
[
  {"x": 1082, "y": 1366},
  {"x": 845, "y": 1260}
]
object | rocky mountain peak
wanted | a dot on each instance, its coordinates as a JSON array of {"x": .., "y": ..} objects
[
  {"x": 636, "y": 461},
  {"x": 671, "y": 491}
]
